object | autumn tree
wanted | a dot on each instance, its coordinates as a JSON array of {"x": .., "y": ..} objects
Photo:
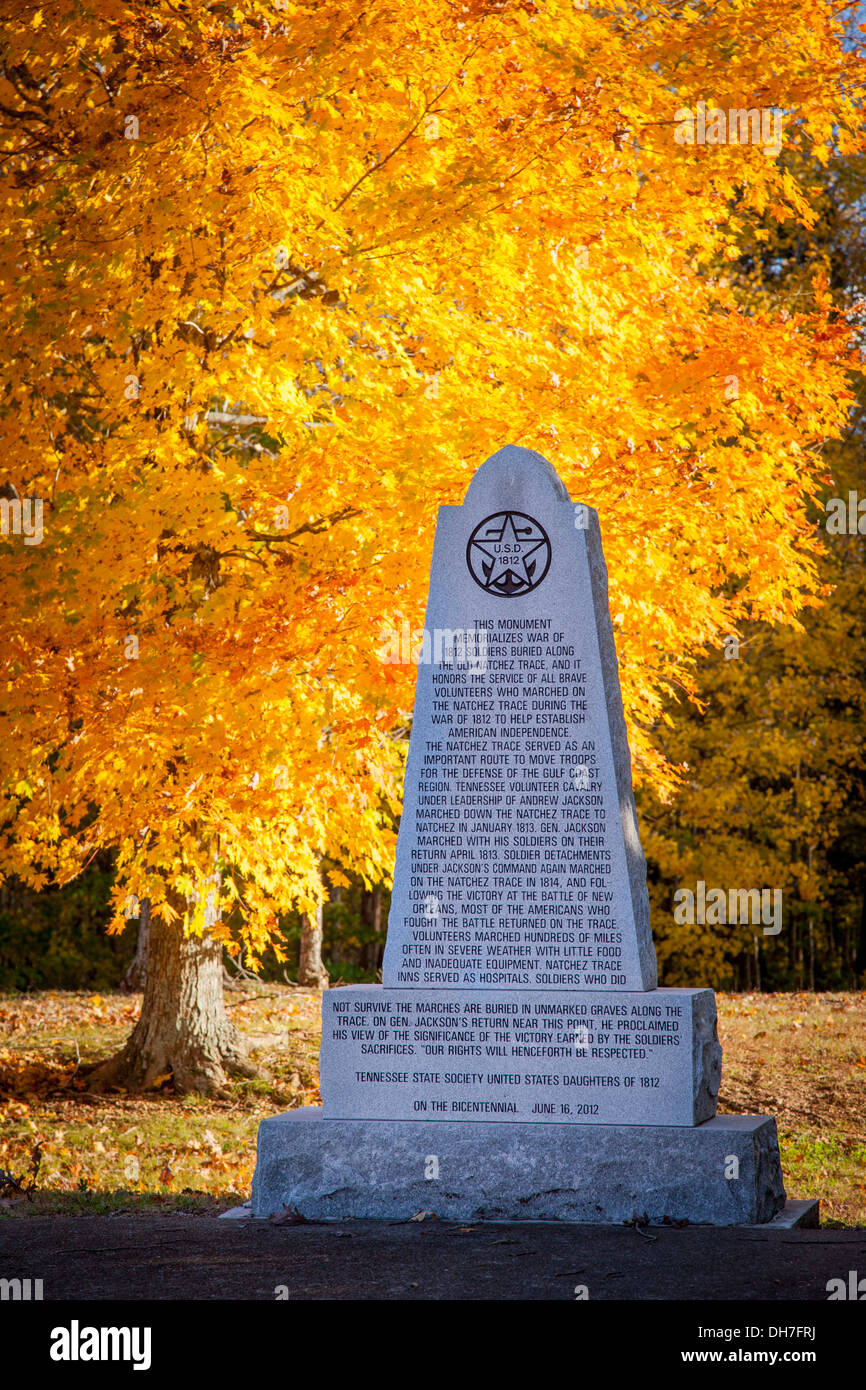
[
  {"x": 773, "y": 754},
  {"x": 275, "y": 278},
  {"x": 774, "y": 769}
]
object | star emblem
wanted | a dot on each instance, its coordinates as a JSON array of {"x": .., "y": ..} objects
[{"x": 508, "y": 554}]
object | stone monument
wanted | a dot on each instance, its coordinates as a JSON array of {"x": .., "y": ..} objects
[{"x": 519, "y": 1059}]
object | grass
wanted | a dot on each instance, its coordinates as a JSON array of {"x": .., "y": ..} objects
[
  {"x": 152, "y": 1152},
  {"x": 799, "y": 1057},
  {"x": 802, "y": 1058}
]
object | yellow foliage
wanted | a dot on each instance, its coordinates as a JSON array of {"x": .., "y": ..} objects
[{"x": 274, "y": 279}]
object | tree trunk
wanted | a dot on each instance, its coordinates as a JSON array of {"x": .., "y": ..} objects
[
  {"x": 371, "y": 911},
  {"x": 809, "y": 850},
  {"x": 311, "y": 969},
  {"x": 136, "y": 976},
  {"x": 860, "y": 957},
  {"x": 183, "y": 1032}
]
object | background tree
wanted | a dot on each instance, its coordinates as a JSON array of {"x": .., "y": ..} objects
[
  {"x": 275, "y": 279},
  {"x": 774, "y": 757}
]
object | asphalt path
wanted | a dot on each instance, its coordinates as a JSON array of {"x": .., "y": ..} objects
[{"x": 204, "y": 1258}]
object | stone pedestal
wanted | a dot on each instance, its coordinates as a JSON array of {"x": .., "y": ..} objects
[{"x": 722, "y": 1173}]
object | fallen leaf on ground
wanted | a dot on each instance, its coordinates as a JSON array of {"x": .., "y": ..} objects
[{"x": 289, "y": 1216}]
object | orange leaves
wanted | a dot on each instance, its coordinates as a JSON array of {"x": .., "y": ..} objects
[{"x": 262, "y": 332}]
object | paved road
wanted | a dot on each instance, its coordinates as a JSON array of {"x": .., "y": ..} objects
[{"x": 188, "y": 1257}]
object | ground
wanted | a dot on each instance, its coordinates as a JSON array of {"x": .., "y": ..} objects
[
  {"x": 800, "y": 1057},
  {"x": 175, "y": 1257}
]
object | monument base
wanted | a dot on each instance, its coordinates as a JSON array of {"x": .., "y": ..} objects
[
  {"x": 527, "y": 1057},
  {"x": 725, "y": 1172}
]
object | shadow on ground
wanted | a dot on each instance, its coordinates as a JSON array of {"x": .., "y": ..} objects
[{"x": 200, "y": 1257}]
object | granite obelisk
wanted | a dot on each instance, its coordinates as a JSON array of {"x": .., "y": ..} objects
[{"x": 519, "y": 1059}]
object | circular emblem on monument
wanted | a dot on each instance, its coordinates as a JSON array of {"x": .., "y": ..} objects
[{"x": 508, "y": 554}]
